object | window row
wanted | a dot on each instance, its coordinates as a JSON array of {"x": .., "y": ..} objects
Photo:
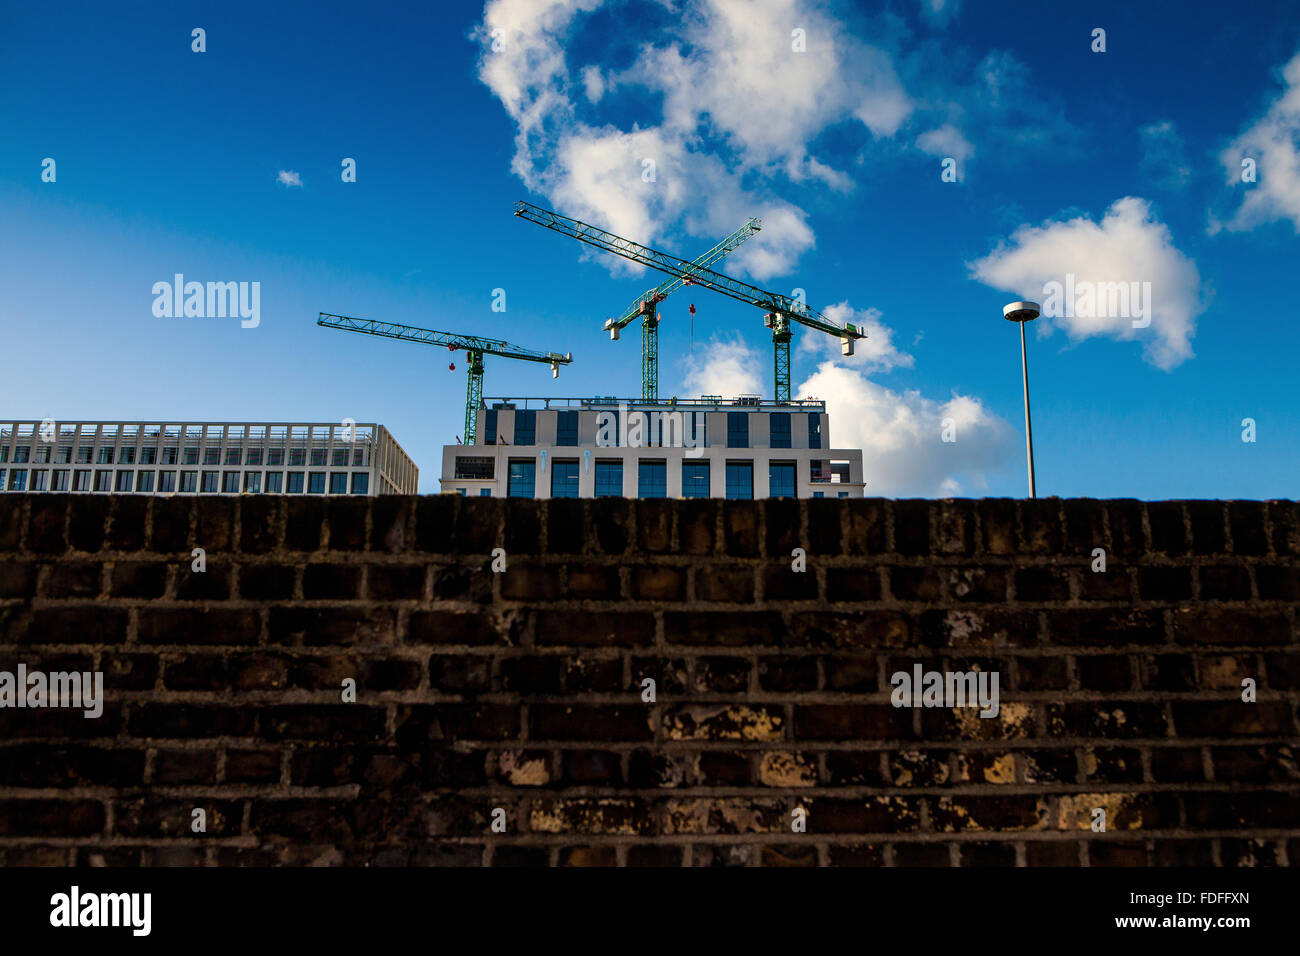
[
  {"x": 191, "y": 482},
  {"x": 652, "y": 479},
  {"x": 566, "y": 429},
  {"x": 173, "y": 455}
]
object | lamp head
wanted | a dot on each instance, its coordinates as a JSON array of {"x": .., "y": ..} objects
[{"x": 1021, "y": 311}]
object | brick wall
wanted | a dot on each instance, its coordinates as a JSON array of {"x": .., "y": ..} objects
[{"x": 522, "y": 690}]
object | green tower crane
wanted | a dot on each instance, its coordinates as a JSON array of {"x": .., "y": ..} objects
[
  {"x": 780, "y": 310},
  {"x": 647, "y": 304},
  {"x": 475, "y": 348}
]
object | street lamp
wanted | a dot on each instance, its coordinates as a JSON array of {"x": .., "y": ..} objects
[{"x": 1020, "y": 313}]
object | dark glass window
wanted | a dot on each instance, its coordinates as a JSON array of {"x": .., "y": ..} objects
[
  {"x": 740, "y": 479},
  {"x": 652, "y": 479},
  {"x": 144, "y": 481},
  {"x": 252, "y": 482},
  {"x": 274, "y": 482},
  {"x": 814, "y": 430},
  {"x": 490, "y": 427},
  {"x": 148, "y": 456},
  {"x": 316, "y": 483},
  {"x": 737, "y": 429},
  {"x": 254, "y": 456},
  {"x": 60, "y": 480},
  {"x": 210, "y": 482},
  {"x": 105, "y": 457},
  {"x": 166, "y": 481},
  {"x": 275, "y": 456},
  {"x": 233, "y": 456},
  {"x": 18, "y": 479},
  {"x": 566, "y": 428},
  {"x": 521, "y": 482},
  {"x": 295, "y": 483},
  {"x": 564, "y": 479},
  {"x": 297, "y": 457},
  {"x": 525, "y": 427},
  {"x": 360, "y": 483},
  {"x": 339, "y": 459},
  {"x": 124, "y": 480},
  {"x": 695, "y": 479},
  {"x": 230, "y": 482},
  {"x": 189, "y": 481},
  {"x": 338, "y": 482},
  {"x": 211, "y": 456},
  {"x": 779, "y": 434},
  {"x": 609, "y": 479},
  {"x": 780, "y": 479},
  {"x": 103, "y": 480},
  {"x": 169, "y": 455}
]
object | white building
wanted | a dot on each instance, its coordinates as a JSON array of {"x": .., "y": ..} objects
[
  {"x": 609, "y": 447},
  {"x": 228, "y": 458}
]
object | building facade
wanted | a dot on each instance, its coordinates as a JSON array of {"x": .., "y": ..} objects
[
  {"x": 203, "y": 458},
  {"x": 609, "y": 447}
]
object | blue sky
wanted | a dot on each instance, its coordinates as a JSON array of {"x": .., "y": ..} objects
[{"x": 1113, "y": 166}]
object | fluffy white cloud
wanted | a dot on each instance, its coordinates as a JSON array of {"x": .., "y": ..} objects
[
  {"x": 876, "y": 352},
  {"x": 726, "y": 367},
  {"x": 945, "y": 141},
  {"x": 288, "y": 177},
  {"x": 740, "y": 105},
  {"x": 1128, "y": 246},
  {"x": 1273, "y": 142},
  {"x": 901, "y": 433}
]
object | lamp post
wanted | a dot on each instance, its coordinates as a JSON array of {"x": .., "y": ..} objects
[{"x": 1020, "y": 313}]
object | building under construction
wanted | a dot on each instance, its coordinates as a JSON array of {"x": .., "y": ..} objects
[{"x": 606, "y": 447}]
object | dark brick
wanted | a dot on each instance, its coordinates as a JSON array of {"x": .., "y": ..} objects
[
  {"x": 1208, "y": 530},
  {"x": 87, "y": 522},
  {"x": 782, "y": 583},
  {"x": 853, "y": 584},
  {"x": 915, "y": 584},
  {"x": 391, "y": 523},
  {"x": 1201, "y": 625},
  {"x": 912, "y": 527},
  {"x": 1224, "y": 583},
  {"x": 654, "y": 526},
  {"x": 317, "y": 627},
  {"x": 169, "y": 525},
  {"x": 304, "y": 523},
  {"x": 523, "y": 526},
  {"x": 46, "y": 524},
  {"x": 696, "y": 523},
  {"x": 740, "y": 528},
  {"x": 178, "y": 767},
  {"x": 452, "y": 627},
  {"x": 1165, "y": 584},
  {"x": 395, "y": 582},
  {"x": 595, "y": 629},
  {"x": 331, "y": 582},
  {"x": 252, "y": 766},
  {"x": 1042, "y": 584},
  {"x": 136, "y": 580},
  {"x": 198, "y": 627},
  {"x": 17, "y": 579},
  {"x": 584, "y": 722},
  {"x": 73, "y": 579},
  {"x": 1041, "y": 526},
  {"x": 259, "y": 523},
  {"x": 852, "y": 722},
  {"x": 1104, "y": 672},
  {"x": 126, "y": 522},
  {"x": 51, "y": 818},
  {"x": 1107, "y": 628},
  {"x": 265, "y": 582},
  {"x": 783, "y": 526},
  {"x": 1246, "y": 522},
  {"x": 1168, "y": 527},
  {"x": 787, "y": 674},
  {"x": 610, "y": 518}
]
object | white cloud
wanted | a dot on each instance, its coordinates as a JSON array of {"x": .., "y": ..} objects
[
  {"x": 900, "y": 433},
  {"x": 740, "y": 107},
  {"x": 1164, "y": 157},
  {"x": 877, "y": 352},
  {"x": 288, "y": 177},
  {"x": 945, "y": 141},
  {"x": 726, "y": 367},
  {"x": 1273, "y": 142},
  {"x": 1128, "y": 245}
]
